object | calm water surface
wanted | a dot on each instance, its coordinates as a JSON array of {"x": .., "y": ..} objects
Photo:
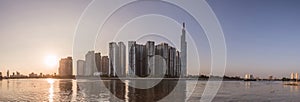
[{"x": 54, "y": 90}]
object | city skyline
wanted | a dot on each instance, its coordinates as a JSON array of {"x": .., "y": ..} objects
[
  {"x": 255, "y": 44},
  {"x": 143, "y": 60}
]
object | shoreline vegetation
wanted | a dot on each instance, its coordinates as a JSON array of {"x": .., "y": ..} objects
[
  {"x": 290, "y": 82},
  {"x": 200, "y": 78}
]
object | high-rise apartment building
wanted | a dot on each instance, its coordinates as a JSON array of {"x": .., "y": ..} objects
[
  {"x": 113, "y": 58},
  {"x": 90, "y": 66},
  {"x": 131, "y": 58},
  {"x": 172, "y": 59},
  {"x": 80, "y": 68},
  {"x": 294, "y": 76},
  {"x": 98, "y": 62},
  {"x": 122, "y": 59},
  {"x": 162, "y": 50},
  {"x": 150, "y": 53},
  {"x": 104, "y": 66},
  {"x": 65, "y": 67},
  {"x": 177, "y": 64},
  {"x": 117, "y": 59},
  {"x": 140, "y": 61},
  {"x": 249, "y": 76}
]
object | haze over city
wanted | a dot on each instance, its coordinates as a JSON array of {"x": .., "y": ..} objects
[{"x": 261, "y": 37}]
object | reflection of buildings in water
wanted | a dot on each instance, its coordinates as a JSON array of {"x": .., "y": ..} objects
[
  {"x": 65, "y": 89},
  {"x": 294, "y": 88},
  {"x": 247, "y": 84},
  {"x": 65, "y": 85},
  {"x": 177, "y": 94},
  {"x": 160, "y": 91},
  {"x": 117, "y": 90},
  {"x": 7, "y": 84},
  {"x": 91, "y": 90}
]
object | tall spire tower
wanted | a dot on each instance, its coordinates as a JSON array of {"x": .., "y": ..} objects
[{"x": 183, "y": 53}]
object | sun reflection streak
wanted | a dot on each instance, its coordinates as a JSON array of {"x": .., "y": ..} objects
[
  {"x": 51, "y": 89},
  {"x": 126, "y": 91}
]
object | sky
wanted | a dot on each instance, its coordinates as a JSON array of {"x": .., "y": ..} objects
[{"x": 261, "y": 35}]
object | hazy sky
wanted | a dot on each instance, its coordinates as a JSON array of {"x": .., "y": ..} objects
[{"x": 262, "y": 36}]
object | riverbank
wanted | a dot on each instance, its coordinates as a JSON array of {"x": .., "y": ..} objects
[{"x": 128, "y": 78}]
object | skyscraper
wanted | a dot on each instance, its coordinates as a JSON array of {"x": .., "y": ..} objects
[
  {"x": 163, "y": 51},
  {"x": 122, "y": 58},
  {"x": 183, "y": 52},
  {"x": 172, "y": 59},
  {"x": 160, "y": 62},
  {"x": 292, "y": 76},
  {"x": 150, "y": 51},
  {"x": 104, "y": 65},
  {"x": 113, "y": 58},
  {"x": 140, "y": 61},
  {"x": 98, "y": 62},
  {"x": 296, "y": 76},
  {"x": 131, "y": 58},
  {"x": 178, "y": 64},
  {"x": 249, "y": 76},
  {"x": 65, "y": 67},
  {"x": 90, "y": 66},
  {"x": 80, "y": 67}
]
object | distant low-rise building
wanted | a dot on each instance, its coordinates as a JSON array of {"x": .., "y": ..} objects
[
  {"x": 65, "y": 67},
  {"x": 33, "y": 75},
  {"x": 17, "y": 75},
  {"x": 271, "y": 77}
]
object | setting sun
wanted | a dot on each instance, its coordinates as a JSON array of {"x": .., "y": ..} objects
[{"x": 51, "y": 60}]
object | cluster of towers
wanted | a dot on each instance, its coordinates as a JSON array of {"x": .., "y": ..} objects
[
  {"x": 143, "y": 60},
  {"x": 153, "y": 60},
  {"x": 117, "y": 61},
  {"x": 94, "y": 64},
  {"x": 294, "y": 76}
]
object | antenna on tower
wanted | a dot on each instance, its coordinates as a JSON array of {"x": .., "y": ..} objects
[{"x": 183, "y": 25}]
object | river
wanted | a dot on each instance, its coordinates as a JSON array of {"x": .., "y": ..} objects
[{"x": 54, "y": 90}]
